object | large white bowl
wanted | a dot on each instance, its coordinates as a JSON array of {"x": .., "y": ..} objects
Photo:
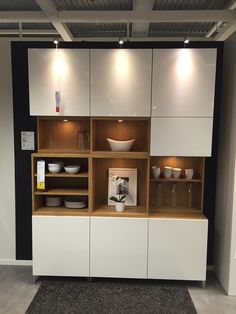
[
  {"x": 71, "y": 169},
  {"x": 120, "y": 146}
]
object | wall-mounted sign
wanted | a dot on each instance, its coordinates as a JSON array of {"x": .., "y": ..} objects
[{"x": 27, "y": 140}]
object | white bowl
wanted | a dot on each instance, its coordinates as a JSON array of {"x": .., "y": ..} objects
[
  {"x": 120, "y": 146},
  {"x": 54, "y": 168},
  {"x": 71, "y": 169},
  {"x": 168, "y": 172},
  {"x": 53, "y": 201},
  {"x": 156, "y": 172},
  {"x": 176, "y": 173}
]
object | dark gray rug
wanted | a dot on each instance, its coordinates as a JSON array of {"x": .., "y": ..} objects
[{"x": 111, "y": 296}]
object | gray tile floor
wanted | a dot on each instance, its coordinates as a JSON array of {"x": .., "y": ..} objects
[{"x": 17, "y": 289}]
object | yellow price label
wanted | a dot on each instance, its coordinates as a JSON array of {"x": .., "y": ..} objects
[{"x": 40, "y": 185}]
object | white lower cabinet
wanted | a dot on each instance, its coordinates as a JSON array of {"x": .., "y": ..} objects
[
  {"x": 177, "y": 249},
  {"x": 60, "y": 246},
  {"x": 118, "y": 247}
]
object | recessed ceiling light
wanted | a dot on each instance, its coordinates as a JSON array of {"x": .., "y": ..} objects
[
  {"x": 121, "y": 41},
  {"x": 55, "y": 42},
  {"x": 186, "y": 40}
]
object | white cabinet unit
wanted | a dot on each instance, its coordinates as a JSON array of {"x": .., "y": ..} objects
[
  {"x": 118, "y": 247},
  {"x": 177, "y": 249},
  {"x": 121, "y": 82},
  {"x": 60, "y": 246},
  {"x": 66, "y": 70},
  {"x": 183, "y": 82},
  {"x": 181, "y": 136}
]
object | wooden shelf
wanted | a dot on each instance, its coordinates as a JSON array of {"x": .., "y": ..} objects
[
  {"x": 130, "y": 211},
  {"x": 65, "y": 175},
  {"x": 64, "y": 191},
  {"x": 177, "y": 214},
  {"x": 60, "y": 211},
  {"x": 63, "y": 151},
  {"x": 177, "y": 180},
  {"x": 69, "y": 154},
  {"x": 110, "y": 154}
]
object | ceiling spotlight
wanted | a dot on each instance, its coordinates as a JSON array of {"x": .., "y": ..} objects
[
  {"x": 55, "y": 42},
  {"x": 121, "y": 41},
  {"x": 186, "y": 40}
]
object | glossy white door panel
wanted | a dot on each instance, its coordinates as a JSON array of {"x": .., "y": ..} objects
[
  {"x": 177, "y": 249},
  {"x": 121, "y": 82},
  {"x": 181, "y": 136},
  {"x": 118, "y": 247},
  {"x": 183, "y": 82},
  {"x": 68, "y": 71},
  {"x": 60, "y": 246}
]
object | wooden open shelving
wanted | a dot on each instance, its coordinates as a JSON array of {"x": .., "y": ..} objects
[{"x": 58, "y": 141}]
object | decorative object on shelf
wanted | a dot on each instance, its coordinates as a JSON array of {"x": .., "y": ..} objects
[
  {"x": 156, "y": 172},
  {"x": 75, "y": 202},
  {"x": 168, "y": 172},
  {"x": 176, "y": 173},
  {"x": 72, "y": 169},
  {"x": 53, "y": 201},
  {"x": 120, "y": 146},
  {"x": 54, "y": 167},
  {"x": 189, "y": 173},
  {"x": 128, "y": 187},
  {"x": 121, "y": 192}
]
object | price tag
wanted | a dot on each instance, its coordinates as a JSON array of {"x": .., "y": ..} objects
[{"x": 41, "y": 174}]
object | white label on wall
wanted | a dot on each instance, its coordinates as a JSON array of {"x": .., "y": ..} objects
[{"x": 27, "y": 140}]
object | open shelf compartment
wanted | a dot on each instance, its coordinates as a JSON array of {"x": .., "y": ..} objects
[
  {"x": 120, "y": 129},
  {"x": 177, "y": 196}
]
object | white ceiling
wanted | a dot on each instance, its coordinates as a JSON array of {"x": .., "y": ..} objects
[{"x": 107, "y": 20}]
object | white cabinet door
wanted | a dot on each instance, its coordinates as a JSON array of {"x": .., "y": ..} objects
[
  {"x": 181, "y": 136},
  {"x": 60, "y": 246},
  {"x": 121, "y": 82},
  {"x": 183, "y": 82},
  {"x": 66, "y": 70},
  {"x": 118, "y": 247},
  {"x": 177, "y": 249}
]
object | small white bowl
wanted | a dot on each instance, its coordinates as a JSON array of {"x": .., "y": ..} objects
[
  {"x": 176, "y": 173},
  {"x": 54, "y": 168},
  {"x": 71, "y": 169},
  {"x": 120, "y": 146},
  {"x": 168, "y": 172}
]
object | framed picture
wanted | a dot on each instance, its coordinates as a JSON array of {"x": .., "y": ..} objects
[{"x": 128, "y": 188}]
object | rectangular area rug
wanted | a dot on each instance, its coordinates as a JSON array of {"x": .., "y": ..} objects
[{"x": 111, "y": 296}]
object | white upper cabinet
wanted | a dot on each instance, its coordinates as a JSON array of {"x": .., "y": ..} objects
[
  {"x": 65, "y": 70},
  {"x": 181, "y": 136},
  {"x": 183, "y": 82},
  {"x": 121, "y": 82}
]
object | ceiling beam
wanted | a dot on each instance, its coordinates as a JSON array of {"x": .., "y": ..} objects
[
  {"x": 23, "y": 16},
  {"x": 147, "y": 16},
  {"x": 226, "y": 31},
  {"x": 141, "y": 29},
  {"x": 118, "y": 16},
  {"x": 29, "y": 32},
  {"x": 51, "y": 12}
]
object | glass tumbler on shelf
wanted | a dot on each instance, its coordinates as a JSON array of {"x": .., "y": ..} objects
[
  {"x": 173, "y": 195},
  {"x": 190, "y": 194},
  {"x": 159, "y": 195},
  {"x": 83, "y": 140}
]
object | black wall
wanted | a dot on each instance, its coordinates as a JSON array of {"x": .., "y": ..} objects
[{"x": 23, "y": 122}]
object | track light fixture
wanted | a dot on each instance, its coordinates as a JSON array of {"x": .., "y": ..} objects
[
  {"x": 121, "y": 41},
  {"x": 186, "y": 40}
]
